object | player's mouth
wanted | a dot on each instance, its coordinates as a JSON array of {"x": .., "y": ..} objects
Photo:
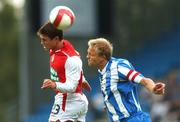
[{"x": 89, "y": 61}]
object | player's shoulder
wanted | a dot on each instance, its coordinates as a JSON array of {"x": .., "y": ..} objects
[
  {"x": 74, "y": 59},
  {"x": 120, "y": 60},
  {"x": 74, "y": 62},
  {"x": 67, "y": 44}
]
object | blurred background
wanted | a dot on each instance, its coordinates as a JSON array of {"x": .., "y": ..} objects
[{"x": 146, "y": 32}]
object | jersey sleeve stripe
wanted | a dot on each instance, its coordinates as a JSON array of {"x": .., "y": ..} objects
[
  {"x": 129, "y": 73},
  {"x": 136, "y": 74},
  {"x": 64, "y": 101}
]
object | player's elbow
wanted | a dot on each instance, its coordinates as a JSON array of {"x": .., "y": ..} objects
[
  {"x": 66, "y": 88},
  {"x": 71, "y": 89}
]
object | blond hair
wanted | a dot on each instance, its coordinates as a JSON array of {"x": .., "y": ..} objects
[{"x": 102, "y": 46}]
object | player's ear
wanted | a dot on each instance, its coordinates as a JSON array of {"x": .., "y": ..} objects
[
  {"x": 56, "y": 38},
  {"x": 103, "y": 56}
]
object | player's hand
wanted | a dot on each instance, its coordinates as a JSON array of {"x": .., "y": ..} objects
[
  {"x": 159, "y": 88},
  {"x": 85, "y": 85},
  {"x": 47, "y": 83}
]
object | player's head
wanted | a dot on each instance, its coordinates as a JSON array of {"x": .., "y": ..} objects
[
  {"x": 102, "y": 47},
  {"x": 99, "y": 50},
  {"x": 50, "y": 31},
  {"x": 50, "y": 37}
]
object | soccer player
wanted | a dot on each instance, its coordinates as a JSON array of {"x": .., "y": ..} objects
[
  {"x": 119, "y": 81},
  {"x": 67, "y": 79}
]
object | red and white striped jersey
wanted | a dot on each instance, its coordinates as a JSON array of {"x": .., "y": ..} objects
[{"x": 66, "y": 71}]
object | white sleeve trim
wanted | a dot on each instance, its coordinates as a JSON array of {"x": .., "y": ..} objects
[
  {"x": 138, "y": 79},
  {"x": 73, "y": 68}
]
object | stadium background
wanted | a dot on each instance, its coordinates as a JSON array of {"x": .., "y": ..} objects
[{"x": 145, "y": 32}]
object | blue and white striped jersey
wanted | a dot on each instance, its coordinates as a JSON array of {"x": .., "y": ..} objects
[{"x": 119, "y": 83}]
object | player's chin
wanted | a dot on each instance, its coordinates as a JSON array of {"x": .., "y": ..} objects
[
  {"x": 46, "y": 49},
  {"x": 91, "y": 64}
]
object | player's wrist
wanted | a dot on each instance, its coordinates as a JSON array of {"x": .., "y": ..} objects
[{"x": 57, "y": 84}]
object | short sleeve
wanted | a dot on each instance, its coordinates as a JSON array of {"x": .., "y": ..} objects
[{"x": 127, "y": 72}]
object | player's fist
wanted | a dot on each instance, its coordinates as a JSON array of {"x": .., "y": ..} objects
[
  {"x": 159, "y": 88},
  {"x": 47, "y": 83}
]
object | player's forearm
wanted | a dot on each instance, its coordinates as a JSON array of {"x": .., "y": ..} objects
[
  {"x": 148, "y": 83},
  {"x": 66, "y": 87}
]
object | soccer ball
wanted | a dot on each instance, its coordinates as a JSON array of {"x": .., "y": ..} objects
[{"x": 62, "y": 17}]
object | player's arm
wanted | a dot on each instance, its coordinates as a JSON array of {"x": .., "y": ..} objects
[
  {"x": 73, "y": 69},
  {"x": 128, "y": 74},
  {"x": 86, "y": 85},
  {"x": 156, "y": 88}
]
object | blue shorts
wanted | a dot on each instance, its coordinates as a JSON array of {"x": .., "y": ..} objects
[{"x": 138, "y": 117}]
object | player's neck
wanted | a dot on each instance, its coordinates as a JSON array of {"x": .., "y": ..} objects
[
  {"x": 102, "y": 64},
  {"x": 59, "y": 45}
]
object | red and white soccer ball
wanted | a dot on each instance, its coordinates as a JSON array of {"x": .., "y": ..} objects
[{"x": 62, "y": 17}]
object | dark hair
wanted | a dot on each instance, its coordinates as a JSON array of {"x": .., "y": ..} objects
[{"x": 49, "y": 30}]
